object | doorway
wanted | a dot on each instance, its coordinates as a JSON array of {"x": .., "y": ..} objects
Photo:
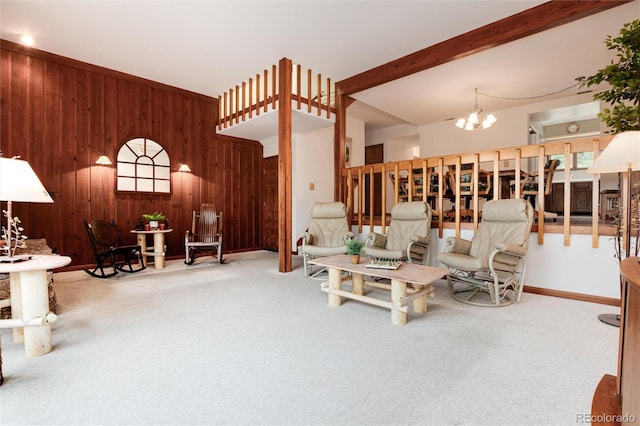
[{"x": 373, "y": 154}]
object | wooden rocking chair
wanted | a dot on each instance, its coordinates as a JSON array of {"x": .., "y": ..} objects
[
  {"x": 109, "y": 251},
  {"x": 205, "y": 236}
]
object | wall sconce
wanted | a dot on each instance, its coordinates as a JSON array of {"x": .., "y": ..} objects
[
  {"x": 184, "y": 168},
  {"x": 103, "y": 160}
]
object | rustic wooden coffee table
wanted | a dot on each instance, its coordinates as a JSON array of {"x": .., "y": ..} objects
[{"x": 410, "y": 282}]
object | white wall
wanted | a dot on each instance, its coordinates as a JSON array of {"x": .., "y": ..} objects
[
  {"x": 312, "y": 163},
  {"x": 576, "y": 269}
]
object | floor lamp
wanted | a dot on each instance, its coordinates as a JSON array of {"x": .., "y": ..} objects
[
  {"x": 621, "y": 155},
  {"x": 18, "y": 182}
]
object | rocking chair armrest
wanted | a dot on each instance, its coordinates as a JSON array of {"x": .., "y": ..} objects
[
  {"x": 376, "y": 240},
  {"x": 457, "y": 245},
  {"x": 511, "y": 249},
  {"x": 187, "y": 236},
  {"x": 347, "y": 236},
  {"x": 417, "y": 239},
  {"x": 307, "y": 238}
]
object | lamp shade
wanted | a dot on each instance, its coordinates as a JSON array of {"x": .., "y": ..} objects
[
  {"x": 622, "y": 154},
  {"x": 18, "y": 182}
]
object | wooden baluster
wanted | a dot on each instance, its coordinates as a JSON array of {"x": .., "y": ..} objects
[
  {"x": 319, "y": 95},
  {"x": 225, "y": 109},
  {"x": 328, "y": 103},
  {"x": 497, "y": 189},
  {"x": 541, "y": 191},
  {"x": 220, "y": 112},
  {"x": 244, "y": 89},
  {"x": 383, "y": 213},
  {"x": 595, "y": 199},
  {"x": 360, "y": 192},
  {"x": 567, "y": 193},
  {"x": 273, "y": 86},
  {"x": 266, "y": 89},
  {"x": 257, "y": 94},
  {"x": 298, "y": 83},
  {"x": 237, "y": 108},
  {"x": 250, "y": 97},
  {"x": 441, "y": 191},
  {"x": 371, "y": 192},
  {"x": 309, "y": 91}
]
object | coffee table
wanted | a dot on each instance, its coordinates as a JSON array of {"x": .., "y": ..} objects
[{"x": 409, "y": 283}]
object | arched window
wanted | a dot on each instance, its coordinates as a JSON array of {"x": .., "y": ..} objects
[{"x": 143, "y": 166}]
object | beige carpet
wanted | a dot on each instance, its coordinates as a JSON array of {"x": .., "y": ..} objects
[{"x": 241, "y": 343}]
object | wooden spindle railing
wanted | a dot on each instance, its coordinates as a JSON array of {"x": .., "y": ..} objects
[
  {"x": 239, "y": 103},
  {"x": 402, "y": 173}
]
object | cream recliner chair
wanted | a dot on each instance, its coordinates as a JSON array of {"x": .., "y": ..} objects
[
  {"x": 327, "y": 234},
  {"x": 407, "y": 236},
  {"x": 493, "y": 261}
]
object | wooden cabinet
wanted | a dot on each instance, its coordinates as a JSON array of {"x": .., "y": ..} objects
[{"x": 581, "y": 198}]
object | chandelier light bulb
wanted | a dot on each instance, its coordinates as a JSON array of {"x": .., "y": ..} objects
[{"x": 476, "y": 118}]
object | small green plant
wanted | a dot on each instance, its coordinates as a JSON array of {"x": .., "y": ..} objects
[
  {"x": 154, "y": 216},
  {"x": 354, "y": 246}
]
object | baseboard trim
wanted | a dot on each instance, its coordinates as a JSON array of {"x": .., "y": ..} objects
[{"x": 574, "y": 296}]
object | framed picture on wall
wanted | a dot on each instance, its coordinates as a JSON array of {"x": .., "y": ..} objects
[{"x": 347, "y": 152}]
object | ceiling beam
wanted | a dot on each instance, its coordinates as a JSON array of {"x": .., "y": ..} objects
[{"x": 531, "y": 21}]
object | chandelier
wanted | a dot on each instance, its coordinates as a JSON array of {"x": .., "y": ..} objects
[{"x": 476, "y": 118}]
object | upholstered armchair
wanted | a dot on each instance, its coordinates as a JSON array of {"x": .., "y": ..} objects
[
  {"x": 327, "y": 234},
  {"x": 407, "y": 236},
  {"x": 493, "y": 262}
]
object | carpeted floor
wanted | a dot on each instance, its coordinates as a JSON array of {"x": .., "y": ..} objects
[{"x": 241, "y": 343}]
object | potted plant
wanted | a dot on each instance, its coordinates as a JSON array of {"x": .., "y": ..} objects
[
  {"x": 623, "y": 78},
  {"x": 623, "y": 94},
  {"x": 353, "y": 248},
  {"x": 155, "y": 219}
]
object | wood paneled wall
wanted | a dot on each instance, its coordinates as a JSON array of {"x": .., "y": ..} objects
[{"x": 58, "y": 113}]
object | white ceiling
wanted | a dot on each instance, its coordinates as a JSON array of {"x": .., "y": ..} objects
[{"x": 210, "y": 46}]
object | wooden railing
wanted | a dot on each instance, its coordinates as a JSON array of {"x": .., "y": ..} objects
[
  {"x": 491, "y": 163},
  {"x": 260, "y": 95}
]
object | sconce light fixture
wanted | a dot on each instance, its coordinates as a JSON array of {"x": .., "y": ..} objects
[
  {"x": 103, "y": 160},
  {"x": 476, "y": 118},
  {"x": 184, "y": 168}
]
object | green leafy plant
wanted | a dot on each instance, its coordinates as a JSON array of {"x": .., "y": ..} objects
[
  {"x": 624, "y": 78},
  {"x": 354, "y": 246},
  {"x": 154, "y": 216}
]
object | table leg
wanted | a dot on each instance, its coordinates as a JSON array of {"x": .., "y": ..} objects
[
  {"x": 357, "y": 283},
  {"x": 16, "y": 304},
  {"x": 35, "y": 303},
  {"x": 420, "y": 304},
  {"x": 158, "y": 250},
  {"x": 142, "y": 242},
  {"x": 335, "y": 283},
  {"x": 398, "y": 291}
]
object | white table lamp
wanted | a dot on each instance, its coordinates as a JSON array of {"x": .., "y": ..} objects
[
  {"x": 18, "y": 182},
  {"x": 621, "y": 155}
]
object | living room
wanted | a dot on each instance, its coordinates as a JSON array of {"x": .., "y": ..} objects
[{"x": 50, "y": 99}]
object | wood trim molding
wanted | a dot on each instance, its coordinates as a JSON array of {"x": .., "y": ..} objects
[
  {"x": 531, "y": 21},
  {"x": 574, "y": 296}
]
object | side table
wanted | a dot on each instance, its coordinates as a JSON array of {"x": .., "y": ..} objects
[
  {"x": 30, "y": 301},
  {"x": 158, "y": 249}
]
